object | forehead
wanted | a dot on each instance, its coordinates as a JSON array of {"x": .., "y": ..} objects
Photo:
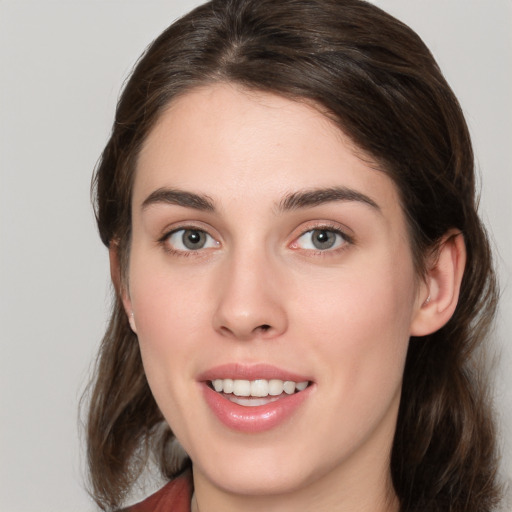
[{"x": 224, "y": 140}]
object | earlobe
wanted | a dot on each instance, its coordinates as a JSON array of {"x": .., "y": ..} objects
[
  {"x": 439, "y": 295},
  {"x": 117, "y": 281},
  {"x": 131, "y": 320}
]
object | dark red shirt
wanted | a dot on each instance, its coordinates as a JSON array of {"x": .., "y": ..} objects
[{"x": 173, "y": 497}]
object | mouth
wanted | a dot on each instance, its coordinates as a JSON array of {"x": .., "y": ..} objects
[
  {"x": 258, "y": 392},
  {"x": 255, "y": 398}
]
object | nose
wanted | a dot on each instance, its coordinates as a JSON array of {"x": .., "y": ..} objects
[{"x": 250, "y": 299}]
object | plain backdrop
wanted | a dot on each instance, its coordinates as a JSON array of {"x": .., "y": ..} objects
[{"x": 62, "y": 66}]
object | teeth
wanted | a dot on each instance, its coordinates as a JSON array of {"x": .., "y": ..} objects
[
  {"x": 301, "y": 386},
  {"x": 275, "y": 387},
  {"x": 289, "y": 387},
  {"x": 242, "y": 387},
  {"x": 258, "y": 388},
  {"x": 227, "y": 386}
]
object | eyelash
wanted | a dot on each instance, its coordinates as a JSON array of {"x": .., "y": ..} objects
[
  {"x": 331, "y": 228},
  {"x": 347, "y": 240},
  {"x": 164, "y": 241}
]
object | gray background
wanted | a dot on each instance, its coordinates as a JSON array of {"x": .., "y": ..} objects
[{"x": 62, "y": 65}]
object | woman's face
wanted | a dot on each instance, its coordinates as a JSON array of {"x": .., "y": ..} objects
[{"x": 266, "y": 257}]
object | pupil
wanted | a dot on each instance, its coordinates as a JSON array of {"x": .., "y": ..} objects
[
  {"x": 193, "y": 239},
  {"x": 324, "y": 239}
]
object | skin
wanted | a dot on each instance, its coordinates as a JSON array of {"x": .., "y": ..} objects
[{"x": 342, "y": 316}]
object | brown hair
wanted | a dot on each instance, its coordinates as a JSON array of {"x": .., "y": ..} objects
[{"x": 377, "y": 80}]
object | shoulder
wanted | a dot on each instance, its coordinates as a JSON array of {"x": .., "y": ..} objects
[{"x": 173, "y": 496}]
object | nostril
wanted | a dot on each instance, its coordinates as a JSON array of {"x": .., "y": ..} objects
[{"x": 264, "y": 327}]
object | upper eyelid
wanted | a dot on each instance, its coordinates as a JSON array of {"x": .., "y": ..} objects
[
  {"x": 193, "y": 226},
  {"x": 186, "y": 228},
  {"x": 337, "y": 227},
  {"x": 324, "y": 228}
]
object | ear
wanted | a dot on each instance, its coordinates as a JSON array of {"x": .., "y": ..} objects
[
  {"x": 439, "y": 294},
  {"x": 120, "y": 287}
]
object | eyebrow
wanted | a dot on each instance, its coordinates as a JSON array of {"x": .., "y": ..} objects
[
  {"x": 179, "y": 198},
  {"x": 316, "y": 197},
  {"x": 293, "y": 201}
]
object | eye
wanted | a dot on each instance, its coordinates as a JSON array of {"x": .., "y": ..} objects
[
  {"x": 321, "y": 239},
  {"x": 190, "y": 240}
]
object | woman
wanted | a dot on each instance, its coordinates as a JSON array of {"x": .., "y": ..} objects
[{"x": 301, "y": 277}]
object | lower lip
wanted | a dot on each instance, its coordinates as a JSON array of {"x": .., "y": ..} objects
[{"x": 253, "y": 419}]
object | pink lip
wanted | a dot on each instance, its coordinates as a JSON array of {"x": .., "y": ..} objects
[
  {"x": 250, "y": 372},
  {"x": 252, "y": 419}
]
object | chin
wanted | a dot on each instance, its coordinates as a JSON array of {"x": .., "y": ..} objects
[
  {"x": 271, "y": 470},
  {"x": 258, "y": 480}
]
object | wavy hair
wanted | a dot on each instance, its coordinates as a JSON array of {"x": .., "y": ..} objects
[{"x": 377, "y": 80}]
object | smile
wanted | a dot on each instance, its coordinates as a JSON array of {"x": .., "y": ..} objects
[
  {"x": 258, "y": 402},
  {"x": 253, "y": 393}
]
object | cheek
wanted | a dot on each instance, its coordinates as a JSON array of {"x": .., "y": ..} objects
[
  {"x": 169, "y": 312},
  {"x": 362, "y": 323},
  {"x": 168, "y": 317},
  {"x": 363, "y": 297},
  {"x": 162, "y": 293}
]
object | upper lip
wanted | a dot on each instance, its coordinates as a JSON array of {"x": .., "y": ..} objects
[{"x": 250, "y": 372}]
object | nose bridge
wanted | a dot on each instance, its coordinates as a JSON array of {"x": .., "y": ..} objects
[{"x": 250, "y": 301}]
